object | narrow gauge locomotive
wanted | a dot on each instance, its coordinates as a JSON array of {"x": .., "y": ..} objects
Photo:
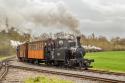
[{"x": 60, "y": 51}]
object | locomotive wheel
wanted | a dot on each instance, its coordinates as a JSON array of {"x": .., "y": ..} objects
[
  {"x": 55, "y": 63},
  {"x": 36, "y": 62},
  {"x": 47, "y": 63},
  {"x": 80, "y": 65},
  {"x": 86, "y": 66},
  {"x": 19, "y": 59},
  {"x": 31, "y": 61}
]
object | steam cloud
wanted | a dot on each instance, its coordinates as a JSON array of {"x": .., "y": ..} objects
[{"x": 42, "y": 13}]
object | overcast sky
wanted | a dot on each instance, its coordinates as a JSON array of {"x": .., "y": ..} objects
[{"x": 103, "y": 17}]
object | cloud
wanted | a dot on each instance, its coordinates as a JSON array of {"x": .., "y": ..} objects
[
  {"x": 108, "y": 18},
  {"x": 103, "y": 6}
]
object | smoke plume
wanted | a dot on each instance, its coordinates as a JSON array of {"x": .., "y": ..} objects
[{"x": 39, "y": 13}]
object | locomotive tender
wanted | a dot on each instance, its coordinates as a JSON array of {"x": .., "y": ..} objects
[{"x": 58, "y": 52}]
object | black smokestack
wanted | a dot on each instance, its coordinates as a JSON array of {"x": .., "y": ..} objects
[{"x": 78, "y": 41}]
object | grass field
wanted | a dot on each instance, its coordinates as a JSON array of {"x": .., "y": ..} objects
[
  {"x": 5, "y": 57},
  {"x": 1, "y": 57},
  {"x": 44, "y": 79},
  {"x": 110, "y": 61}
]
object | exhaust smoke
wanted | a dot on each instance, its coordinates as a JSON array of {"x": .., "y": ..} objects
[{"x": 39, "y": 13}]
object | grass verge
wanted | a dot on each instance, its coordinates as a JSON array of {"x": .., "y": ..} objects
[
  {"x": 5, "y": 57},
  {"x": 109, "y": 61},
  {"x": 44, "y": 79}
]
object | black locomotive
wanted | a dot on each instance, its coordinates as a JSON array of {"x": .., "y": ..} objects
[{"x": 67, "y": 52}]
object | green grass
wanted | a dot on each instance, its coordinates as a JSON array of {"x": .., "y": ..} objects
[
  {"x": 44, "y": 79},
  {"x": 2, "y": 57},
  {"x": 109, "y": 61},
  {"x": 5, "y": 57}
]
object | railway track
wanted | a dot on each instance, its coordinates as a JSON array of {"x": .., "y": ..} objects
[
  {"x": 4, "y": 70},
  {"x": 69, "y": 74},
  {"x": 98, "y": 71},
  {"x": 89, "y": 70},
  {"x": 4, "y": 67}
]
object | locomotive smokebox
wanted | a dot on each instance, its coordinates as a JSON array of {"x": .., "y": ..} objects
[{"x": 78, "y": 41}]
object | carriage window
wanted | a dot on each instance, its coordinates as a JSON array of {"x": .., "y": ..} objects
[
  {"x": 30, "y": 47},
  {"x": 33, "y": 47},
  {"x": 36, "y": 46},
  {"x": 40, "y": 45}
]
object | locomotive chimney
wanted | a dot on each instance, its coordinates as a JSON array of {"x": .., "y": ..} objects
[{"x": 78, "y": 41}]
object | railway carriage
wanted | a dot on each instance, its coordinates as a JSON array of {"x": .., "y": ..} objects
[
  {"x": 36, "y": 51},
  {"x": 58, "y": 52},
  {"x": 22, "y": 52}
]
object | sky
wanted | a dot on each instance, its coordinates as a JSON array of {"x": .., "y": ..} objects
[{"x": 102, "y": 17}]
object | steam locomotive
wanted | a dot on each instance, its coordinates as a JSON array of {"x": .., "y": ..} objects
[{"x": 57, "y": 52}]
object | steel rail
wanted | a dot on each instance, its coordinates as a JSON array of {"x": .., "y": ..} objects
[{"x": 106, "y": 72}]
